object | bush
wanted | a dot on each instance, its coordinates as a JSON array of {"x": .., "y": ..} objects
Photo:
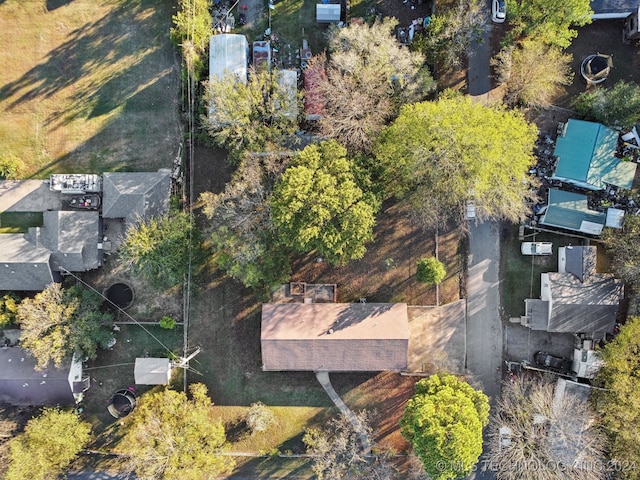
[
  {"x": 9, "y": 167},
  {"x": 8, "y": 309},
  {"x": 259, "y": 417},
  {"x": 430, "y": 271},
  {"x": 168, "y": 323}
]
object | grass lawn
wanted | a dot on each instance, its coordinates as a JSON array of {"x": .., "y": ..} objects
[
  {"x": 225, "y": 322},
  {"x": 282, "y": 435},
  {"x": 19, "y": 222},
  {"x": 88, "y": 86},
  {"x": 113, "y": 369},
  {"x": 520, "y": 274},
  {"x": 274, "y": 468}
]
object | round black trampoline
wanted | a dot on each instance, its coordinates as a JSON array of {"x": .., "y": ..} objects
[
  {"x": 122, "y": 403},
  {"x": 595, "y": 68},
  {"x": 120, "y": 294}
]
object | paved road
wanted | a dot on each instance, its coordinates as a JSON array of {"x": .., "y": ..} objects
[
  {"x": 478, "y": 73},
  {"x": 484, "y": 327}
]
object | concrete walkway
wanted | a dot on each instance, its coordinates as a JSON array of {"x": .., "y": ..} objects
[{"x": 323, "y": 378}]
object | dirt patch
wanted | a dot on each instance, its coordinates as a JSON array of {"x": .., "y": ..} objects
[
  {"x": 603, "y": 36},
  {"x": 387, "y": 271},
  {"x": 148, "y": 304},
  {"x": 406, "y": 11},
  {"x": 212, "y": 169},
  {"x": 386, "y": 395}
]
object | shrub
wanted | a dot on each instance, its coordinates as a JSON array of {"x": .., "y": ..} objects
[
  {"x": 430, "y": 271},
  {"x": 259, "y": 417},
  {"x": 168, "y": 323}
]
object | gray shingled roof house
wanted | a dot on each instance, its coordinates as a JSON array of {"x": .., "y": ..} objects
[
  {"x": 67, "y": 240},
  {"x": 135, "y": 195},
  {"x": 22, "y": 384},
  {"x": 72, "y": 237},
  {"x": 575, "y": 299},
  {"x": 23, "y": 265},
  {"x": 339, "y": 337}
]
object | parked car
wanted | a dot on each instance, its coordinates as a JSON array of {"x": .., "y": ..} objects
[
  {"x": 471, "y": 209},
  {"x": 536, "y": 248},
  {"x": 552, "y": 362},
  {"x": 498, "y": 10}
]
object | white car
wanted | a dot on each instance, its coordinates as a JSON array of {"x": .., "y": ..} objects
[
  {"x": 536, "y": 248},
  {"x": 471, "y": 209},
  {"x": 498, "y": 10}
]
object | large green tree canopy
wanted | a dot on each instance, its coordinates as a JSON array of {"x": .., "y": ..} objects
[
  {"x": 318, "y": 206},
  {"x": 618, "y": 403},
  {"x": 160, "y": 249},
  {"x": 444, "y": 421},
  {"x": 615, "y": 106},
  {"x": 49, "y": 443},
  {"x": 547, "y": 21},
  {"x": 173, "y": 437},
  {"x": 255, "y": 116},
  {"x": 440, "y": 154},
  {"x": 624, "y": 248},
  {"x": 59, "y": 322},
  {"x": 239, "y": 221}
]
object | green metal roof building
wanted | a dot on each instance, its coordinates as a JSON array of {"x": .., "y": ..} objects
[
  {"x": 570, "y": 211},
  {"x": 586, "y": 157}
]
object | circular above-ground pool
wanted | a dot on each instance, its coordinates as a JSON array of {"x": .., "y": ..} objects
[
  {"x": 120, "y": 294},
  {"x": 122, "y": 403}
]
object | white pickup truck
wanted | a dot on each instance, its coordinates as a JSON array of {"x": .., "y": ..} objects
[{"x": 536, "y": 248}]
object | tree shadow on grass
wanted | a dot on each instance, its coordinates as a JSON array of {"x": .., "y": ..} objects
[
  {"x": 87, "y": 62},
  {"x": 54, "y": 4}
]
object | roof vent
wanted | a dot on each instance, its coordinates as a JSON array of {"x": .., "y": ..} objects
[{"x": 330, "y": 331}]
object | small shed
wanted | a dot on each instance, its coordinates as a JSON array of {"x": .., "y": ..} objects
[
  {"x": 328, "y": 12},
  {"x": 152, "y": 371},
  {"x": 228, "y": 52},
  {"x": 631, "y": 30}
]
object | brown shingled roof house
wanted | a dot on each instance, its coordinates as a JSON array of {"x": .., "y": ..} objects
[{"x": 339, "y": 337}]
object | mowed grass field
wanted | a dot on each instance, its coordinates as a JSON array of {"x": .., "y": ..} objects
[{"x": 88, "y": 86}]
